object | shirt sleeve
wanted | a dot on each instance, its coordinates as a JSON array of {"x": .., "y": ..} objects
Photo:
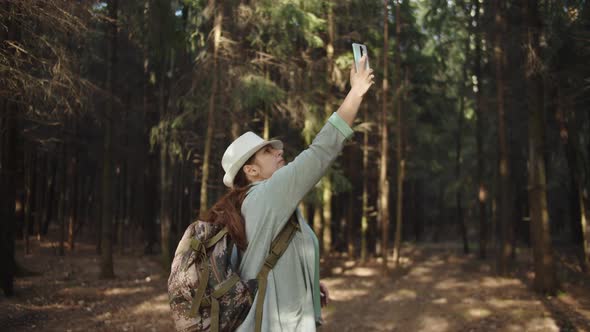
[
  {"x": 287, "y": 186},
  {"x": 341, "y": 125}
]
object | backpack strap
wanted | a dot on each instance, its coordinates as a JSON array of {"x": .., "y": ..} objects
[
  {"x": 219, "y": 292},
  {"x": 200, "y": 248},
  {"x": 277, "y": 248}
]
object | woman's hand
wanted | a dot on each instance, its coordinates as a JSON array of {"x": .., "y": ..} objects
[
  {"x": 324, "y": 295},
  {"x": 360, "y": 83},
  {"x": 361, "y": 80}
]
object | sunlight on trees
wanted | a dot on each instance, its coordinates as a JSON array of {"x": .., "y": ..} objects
[{"x": 475, "y": 137}]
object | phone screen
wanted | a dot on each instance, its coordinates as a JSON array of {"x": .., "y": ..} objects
[{"x": 358, "y": 51}]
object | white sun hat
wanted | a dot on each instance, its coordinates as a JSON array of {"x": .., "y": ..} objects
[{"x": 239, "y": 151}]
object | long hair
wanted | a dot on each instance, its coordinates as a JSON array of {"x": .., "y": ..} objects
[{"x": 228, "y": 209}]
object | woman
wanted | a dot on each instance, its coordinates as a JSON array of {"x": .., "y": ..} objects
[{"x": 264, "y": 195}]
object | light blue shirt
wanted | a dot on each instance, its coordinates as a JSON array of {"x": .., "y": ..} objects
[{"x": 292, "y": 301}]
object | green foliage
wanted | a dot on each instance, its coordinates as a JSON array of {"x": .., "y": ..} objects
[
  {"x": 283, "y": 26},
  {"x": 256, "y": 91},
  {"x": 343, "y": 63},
  {"x": 340, "y": 182},
  {"x": 169, "y": 134}
]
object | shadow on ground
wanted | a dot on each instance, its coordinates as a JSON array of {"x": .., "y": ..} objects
[
  {"x": 436, "y": 289},
  {"x": 439, "y": 290},
  {"x": 69, "y": 296}
]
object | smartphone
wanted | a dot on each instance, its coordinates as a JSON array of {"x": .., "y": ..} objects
[{"x": 358, "y": 50}]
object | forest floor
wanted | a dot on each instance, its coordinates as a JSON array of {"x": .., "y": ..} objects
[{"x": 436, "y": 289}]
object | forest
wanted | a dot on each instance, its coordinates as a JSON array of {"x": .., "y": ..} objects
[{"x": 468, "y": 174}]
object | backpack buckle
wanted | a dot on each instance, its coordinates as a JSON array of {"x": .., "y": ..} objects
[{"x": 196, "y": 245}]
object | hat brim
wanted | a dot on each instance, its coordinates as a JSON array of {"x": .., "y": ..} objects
[{"x": 228, "y": 178}]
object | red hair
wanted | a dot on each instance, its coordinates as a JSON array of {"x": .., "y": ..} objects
[{"x": 228, "y": 209}]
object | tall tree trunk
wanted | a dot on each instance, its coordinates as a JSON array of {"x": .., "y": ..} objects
[
  {"x": 166, "y": 168},
  {"x": 383, "y": 180},
  {"x": 82, "y": 210},
  {"x": 180, "y": 195},
  {"x": 63, "y": 194},
  {"x": 365, "y": 195},
  {"x": 438, "y": 227},
  {"x": 266, "y": 128},
  {"x": 149, "y": 207},
  {"x": 401, "y": 163},
  {"x": 459, "y": 156},
  {"x": 481, "y": 186},
  {"x": 28, "y": 174},
  {"x": 40, "y": 189},
  {"x": 97, "y": 215},
  {"x": 328, "y": 109},
  {"x": 147, "y": 187},
  {"x": 123, "y": 203},
  {"x": 585, "y": 230},
  {"x": 545, "y": 277},
  {"x": 166, "y": 162},
  {"x": 350, "y": 244},
  {"x": 567, "y": 120},
  {"x": 505, "y": 207},
  {"x": 49, "y": 194},
  {"x": 106, "y": 263},
  {"x": 8, "y": 142},
  {"x": 8, "y": 168},
  {"x": 73, "y": 196},
  {"x": 417, "y": 216},
  {"x": 266, "y": 110},
  {"x": 348, "y": 200},
  {"x": 217, "y": 29}
]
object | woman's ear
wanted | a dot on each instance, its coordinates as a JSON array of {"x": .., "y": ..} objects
[{"x": 250, "y": 170}]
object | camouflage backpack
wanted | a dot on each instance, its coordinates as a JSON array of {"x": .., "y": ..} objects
[{"x": 204, "y": 289}]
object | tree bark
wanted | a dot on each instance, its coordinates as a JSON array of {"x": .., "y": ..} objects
[
  {"x": 505, "y": 208},
  {"x": 481, "y": 186},
  {"x": 459, "y": 157},
  {"x": 217, "y": 29},
  {"x": 166, "y": 163},
  {"x": 97, "y": 182},
  {"x": 383, "y": 179},
  {"x": 147, "y": 185},
  {"x": 149, "y": 207},
  {"x": 585, "y": 230},
  {"x": 365, "y": 195},
  {"x": 350, "y": 242},
  {"x": 166, "y": 167},
  {"x": 121, "y": 214},
  {"x": 401, "y": 163},
  {"x": 73, "y": 196},
  {"x": 63, "y": 194},
  {"x": 327, "y": 180},
  {"x": 8, "y": 191},
  {"x": 545, "y": 277},
  {"x": 106, "y": 264},
  {"x": 8, "y": 142},
  {"x": 29, "y": 187},
  {"x": 567, "y": 120},
  {"x": 40, "y": 188},
  {"x": 49, "y": 194}
]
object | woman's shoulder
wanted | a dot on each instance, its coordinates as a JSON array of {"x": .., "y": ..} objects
[
  {"x": 260, "y": 190},
  {"x": 253, "y": 199},
  {"x": 262, "y": 202}
]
